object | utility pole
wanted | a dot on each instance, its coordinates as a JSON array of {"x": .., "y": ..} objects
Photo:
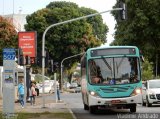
[{"x": 156, "y": 64}]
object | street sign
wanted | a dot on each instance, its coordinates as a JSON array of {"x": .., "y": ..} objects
[
  {"x": 8, "y": 82},
  {"x": 9, "y": 54}
]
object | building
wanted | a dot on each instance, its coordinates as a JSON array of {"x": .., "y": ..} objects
[{"x": 18, "y": 20}]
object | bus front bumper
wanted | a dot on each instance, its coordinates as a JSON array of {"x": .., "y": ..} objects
[{"x": 97, "y": 101}]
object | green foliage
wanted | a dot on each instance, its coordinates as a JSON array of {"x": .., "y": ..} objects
[
  {"x": 141, "y": 28},
  {"x": 44, "y": 115},
  {"x": 67, "y": 39},
  {"x": 8, "y": 36},
  {"x": 147, "y": 70},
  {"x": 71, "y": 70}
]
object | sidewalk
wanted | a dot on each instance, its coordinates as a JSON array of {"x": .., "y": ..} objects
[{"x": 50, "y": 106}]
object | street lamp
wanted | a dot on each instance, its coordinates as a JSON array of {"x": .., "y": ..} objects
[
  {"x": 62, "y": 64},
  {"x": 64, "y": 22}
]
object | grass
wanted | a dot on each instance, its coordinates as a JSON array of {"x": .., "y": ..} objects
[{"x": 44, "y": 115}]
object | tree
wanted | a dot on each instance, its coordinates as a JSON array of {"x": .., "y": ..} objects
[
  {"x": 8, "y": 36},
  {"x": 68, "y": 39},
  {"x": 141, "y": 28},
  {"x": 147, "y": 70}
]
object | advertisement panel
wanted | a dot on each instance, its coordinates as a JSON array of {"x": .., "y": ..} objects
[{"x": 27, "y": 42}]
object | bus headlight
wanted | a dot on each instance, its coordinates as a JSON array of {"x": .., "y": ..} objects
[
  {"x": 136, "y": 91},
  {"x": 92, "y": 93}
]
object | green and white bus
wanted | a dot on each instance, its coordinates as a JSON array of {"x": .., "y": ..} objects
[{"x": 111, "y": 78}]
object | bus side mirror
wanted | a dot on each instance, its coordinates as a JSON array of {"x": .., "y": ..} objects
[{"x": 141, "y": 56}]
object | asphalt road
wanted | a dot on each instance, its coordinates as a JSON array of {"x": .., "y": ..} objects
[{"x": 74, "y": 101}]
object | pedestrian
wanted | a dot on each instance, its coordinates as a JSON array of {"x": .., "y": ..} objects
[
  {"x": 58, "y": 91},
  {"x": 20, "y": 92},
  {"x": 33, "y": 93}
]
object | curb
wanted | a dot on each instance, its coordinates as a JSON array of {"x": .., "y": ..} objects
[
  {"x": 73, "y": 115},
  {"x": 50, "y": 107}
]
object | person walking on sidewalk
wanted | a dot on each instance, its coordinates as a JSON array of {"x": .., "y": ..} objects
[
  {"x": 33, "y": 93},
  {"x": 20, "y": 92},
  {"x": 58, "y": 91}
]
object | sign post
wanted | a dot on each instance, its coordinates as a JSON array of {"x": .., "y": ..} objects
[
  {"x": 27, "y": 41},
  {"x": 8, "y": 82},
  {"x": 55, "y": 86}
]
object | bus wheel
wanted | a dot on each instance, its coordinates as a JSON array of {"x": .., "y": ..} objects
[
  {"x": 93, "y": 109},
  {"x": 133, "y": 108},
  {"x": 86, "y": 107},
  {"x": 143, "y": 103}
]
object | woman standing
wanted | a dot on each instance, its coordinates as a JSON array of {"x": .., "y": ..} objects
[
  {"x": 33, "y": 93},
  {"x": 21, "y": 93}
]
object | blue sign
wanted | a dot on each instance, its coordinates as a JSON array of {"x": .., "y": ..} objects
[
  {"x": 9, "y": 54},
  {"x": 112, "y": 82}
]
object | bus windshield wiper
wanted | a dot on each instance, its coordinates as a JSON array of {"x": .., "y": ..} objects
[{"x": 105, "y": 61}]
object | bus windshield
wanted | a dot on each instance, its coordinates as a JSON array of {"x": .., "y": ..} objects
[{"x": 113, "y": 70}]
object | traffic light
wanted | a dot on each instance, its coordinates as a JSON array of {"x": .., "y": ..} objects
[
  {"x": 50, "y": 66},
  {"x": 20, "y": 57},
  {"x": 21, "y": 60},
  {"x": 123, "y": 12},
  {"x": 55, "y": 66},
  {"x": 39, "y": 59},
  {"x": 28, "y": 61},
  {"x": 32, "y": 60}
]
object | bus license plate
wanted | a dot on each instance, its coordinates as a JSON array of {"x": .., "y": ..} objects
[{"x": 115, "y": 101}]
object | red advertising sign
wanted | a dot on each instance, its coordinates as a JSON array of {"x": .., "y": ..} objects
[{"x": 27, "y": 42}]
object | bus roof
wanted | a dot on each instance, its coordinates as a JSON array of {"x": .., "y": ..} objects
[
  {"x": 102, "y": 47},
  {"x": 113, "y": 50}
]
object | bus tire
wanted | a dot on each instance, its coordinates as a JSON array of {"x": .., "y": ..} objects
[
  {"x": 133, "y": 108},
  {"x": 93, "y": 109},
  {"x": 86, "y": 107},
  {"x": 143, "y": 103}
]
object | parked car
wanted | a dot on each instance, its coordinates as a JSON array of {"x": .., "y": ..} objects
[
  {"x": 74, "y": 88},
  {"x": 73, "y": 85},
  {"x": 151, "y": 92},
  {"x": 78, "y": 89},
  {"x": 66, "y": 85},
  {"x": 47, "y": 88}
]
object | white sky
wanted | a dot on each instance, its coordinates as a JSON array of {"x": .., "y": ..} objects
[{"x": 30, "y": 6}]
